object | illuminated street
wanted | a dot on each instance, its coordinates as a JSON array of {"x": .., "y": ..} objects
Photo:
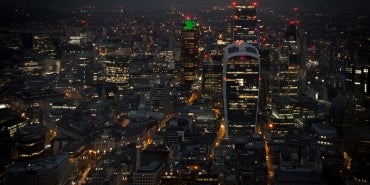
[
  {"x": 270, "y": 167},
  {"x": 218, "y": 140},
  {"x": 147, "y": 138},
  {"x": 263, "y": 128},
  {"x": 185, "y": 92},
  {"x": 84, "y": 175}
]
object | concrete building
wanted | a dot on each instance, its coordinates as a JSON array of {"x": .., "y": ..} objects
[
  {"x": 45, "y": 171},
  {"x": 150, "y": 174}
]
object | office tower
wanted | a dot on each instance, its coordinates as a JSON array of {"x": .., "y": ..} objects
[
  {"x": 160, "y": 98},
  {"x": 266, "y": 59},
  {"x": 287, "y": 69},
  {"x": 241, "y": 83},
  {"x": 295, "y": 49},
  {"x": 83, "y": 68},
  {"x": 357, "y": 74},
  {"x": 189, "y": 50},
  {"x": 212, "y": 79},
  {"x": 302, "y": 44},
  {"x": 287, "y": 82},
  {"x": 116, "y": 72},
  {"x": 245, "y": 23}
]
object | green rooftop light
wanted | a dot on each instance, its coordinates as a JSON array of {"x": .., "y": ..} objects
[{"x": 190, "y": 25}]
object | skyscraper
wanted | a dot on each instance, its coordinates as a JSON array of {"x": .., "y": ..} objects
[
  {"x": 290, "y": 66},
  {"x": 241, "y": 83},
  {"x": 245, "y": 23},
  {"x": 212, "y": 79},
  {"x": 189, "y": 49},
  {"x": 286, "y": 81}
]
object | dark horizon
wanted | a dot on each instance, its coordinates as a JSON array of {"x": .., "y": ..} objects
[{"x": 356, "y": 6}]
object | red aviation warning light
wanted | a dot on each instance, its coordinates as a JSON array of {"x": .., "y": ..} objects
[
  {"x": 234, "y": 3},
  {"x": 294, "y": 22},
  {"x": 263, "y": 39},
  {"x": 84, "y": 22},
  {"x": 296, "y": 8},
  {"x": 254, "y": 4}
]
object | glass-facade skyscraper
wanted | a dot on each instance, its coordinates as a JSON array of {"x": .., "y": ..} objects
[
  {"x": 189, "y": 50},
  {"x": 241, "y": 84},
  {"x": 245, "y": 23}
]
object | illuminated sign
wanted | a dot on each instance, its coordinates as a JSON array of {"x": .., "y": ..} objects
[{"x": 190, "y": 24}]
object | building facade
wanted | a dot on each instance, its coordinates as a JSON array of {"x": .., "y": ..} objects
[
  {"x": 150, "y": 174},
  {"x": 212, "y": 79},
  {"x": 189, "y": 50},
  {"x": 241, "y": 83},
  {"x": 46, "y": 171},
  {"x": 245, "y": 23}
]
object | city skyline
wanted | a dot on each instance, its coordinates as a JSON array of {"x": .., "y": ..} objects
[
  {"x": 356, "y": 6},
  {"x": 145, "y": 94}
]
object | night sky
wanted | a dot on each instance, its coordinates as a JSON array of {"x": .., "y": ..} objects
[{"x": 346, "y": 6}]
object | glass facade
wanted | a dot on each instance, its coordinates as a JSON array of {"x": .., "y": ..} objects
[
  {"x": 190, "y": 49},
  {"x": 241, "y": 89},
  {"x": 245, "y": 24}
]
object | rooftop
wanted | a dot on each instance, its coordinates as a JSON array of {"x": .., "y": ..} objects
[
  {"x": 39, "y": 165},
  {"x": 323, "y": 129},
  {"x": 151, "y": 168}
]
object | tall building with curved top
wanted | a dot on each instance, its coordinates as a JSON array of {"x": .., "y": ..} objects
[{"x": 241, "y": 84}]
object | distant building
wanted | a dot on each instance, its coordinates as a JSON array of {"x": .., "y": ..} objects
[
  {"x": 113, "y": 168},
  {"x": 30, "y": 101},
  {"x": 282, "y": 112},
  {"x": 116, "y": 71},
  {"x": 189, "y": 50},
  {"x": 150, "y": 174},
  {"x": 358, "y": 143},
  {"x": 31, "y": 68},
  {"x": 241, "y": 83},
  {"x": 245, "y": 23},
  {"x": 212, "y": 79},
  {"x": 30, "y": 142},
  {"x": 293, "y": 170},
  {"x": 160, "y": 153},
  {"x": 325, "y": 135},
  {"x": 10, "y": 121},
  {"x": 52, "y": 66},
  {"x": 160, "y": 98},
  {"x": 357, "y": 74},
  {"x": 171, "y": 178},
  {"x": 145, "y": 114},
  {"x": 78, "y": 158},
  {"x": 45, "y": 171}
]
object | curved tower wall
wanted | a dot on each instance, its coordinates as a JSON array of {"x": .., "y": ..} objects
[{"x": 241, "y": 84}]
